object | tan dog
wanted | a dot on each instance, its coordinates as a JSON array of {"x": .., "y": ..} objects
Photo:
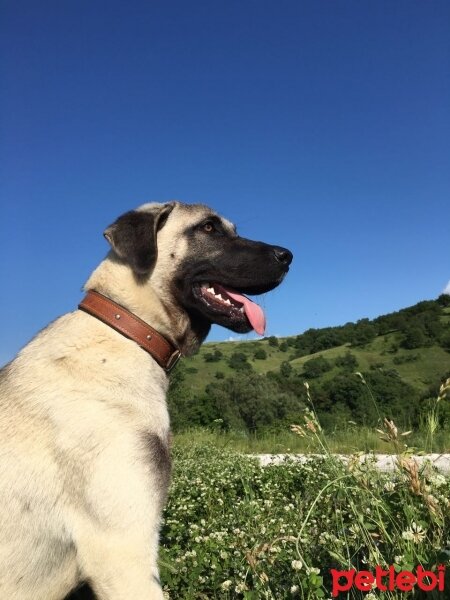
[{"x": 84, "y": 458}]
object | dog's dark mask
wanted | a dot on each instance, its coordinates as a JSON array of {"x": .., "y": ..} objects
[{"x": 220, "y": 268}]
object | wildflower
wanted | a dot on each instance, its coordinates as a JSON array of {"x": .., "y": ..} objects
[
  {"x": 399, "y": 559},
  {"x": 438, "y": 480},
  {"x": 226, "y": 584},
  {"x": 294, "y": 589},
  {"x": 297, "y": 565},
  {"x": 415, "y": 533},
  {"x": 389, "y": 486}
]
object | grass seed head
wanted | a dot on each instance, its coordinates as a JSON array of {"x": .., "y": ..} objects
[{"x": 444, "y": 390}]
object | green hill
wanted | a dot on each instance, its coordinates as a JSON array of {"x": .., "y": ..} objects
[{"x": 403, "y": 356}]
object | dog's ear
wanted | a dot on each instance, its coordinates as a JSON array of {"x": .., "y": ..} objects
[{"x": 133, "y": 236}]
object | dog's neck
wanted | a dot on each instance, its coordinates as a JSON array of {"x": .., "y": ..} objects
[{"x": 116, "y": 281}]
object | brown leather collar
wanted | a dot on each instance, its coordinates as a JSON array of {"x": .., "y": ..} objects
[{"x": 132, "y": 327}]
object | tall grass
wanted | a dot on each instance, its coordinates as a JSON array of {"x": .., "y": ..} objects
[{"x": 344, "y": 440}]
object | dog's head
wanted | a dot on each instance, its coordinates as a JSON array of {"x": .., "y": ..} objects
[{"x": 194, "y": 258}]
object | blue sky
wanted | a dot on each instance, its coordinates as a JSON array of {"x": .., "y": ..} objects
[{"x": 321, "y": 126}]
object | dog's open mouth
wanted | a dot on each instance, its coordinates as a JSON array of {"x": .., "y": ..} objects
[{"x": 226, "y": 302}]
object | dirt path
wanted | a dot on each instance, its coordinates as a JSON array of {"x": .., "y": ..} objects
[{"x": 384, "y": 462}]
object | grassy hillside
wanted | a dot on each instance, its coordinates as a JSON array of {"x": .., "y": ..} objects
[
  {"x": 259, "y": 386},
  {"x": 420, "y": 367}
]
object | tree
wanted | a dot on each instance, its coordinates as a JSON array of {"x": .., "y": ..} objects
[
  {"x": 395, "y": 398},
  {"x": 260, "y": 354},
  {"x": 444, "y": 300},
  {"x": 364, "y": 333},
  {"x": 238, "y": 361},
  {"x": 347, "y": 361},
  {"x": 213, "y": 357},
  {"x": 186, "y": 408},
  {"x": 316, "y": 367},
  {"x": 445, "y": 340},
  {"x": 286, "y": 369},
  {"x": 414, "y": 338},
  {"x": 252, "y": 401},
  {"x": 273, "y": 341}
]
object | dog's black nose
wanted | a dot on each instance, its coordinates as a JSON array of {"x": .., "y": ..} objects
[{"x": 283, "y": 255}]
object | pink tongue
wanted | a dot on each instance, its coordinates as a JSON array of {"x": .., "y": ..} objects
[{"x": 253, "y": 311}]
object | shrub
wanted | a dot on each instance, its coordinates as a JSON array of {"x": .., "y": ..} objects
[
  {"x": 238, "y": 361},
  {"x": 316, "y": 367},
  {"x": 347, "y": 361}
]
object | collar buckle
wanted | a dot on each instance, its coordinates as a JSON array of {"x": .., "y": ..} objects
[{"x": 173, "y": 359}]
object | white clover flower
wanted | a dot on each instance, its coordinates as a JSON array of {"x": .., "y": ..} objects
[
  {"x": 438, "y": 480},
  {"x": 389, "y": 486},
  {"x": 415, "y": 533},
  {"x": 294, "y": 589},
  {"x": 223, "y": 554},
  {"x": 226, "y": 584},
  {"x": 296, "y": 565}
]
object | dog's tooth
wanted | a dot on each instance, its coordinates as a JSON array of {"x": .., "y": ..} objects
[
  {"x": 211, "y": 290},
  {"x": 219, "y": 297},
  {"x": 227, "y": 302}
]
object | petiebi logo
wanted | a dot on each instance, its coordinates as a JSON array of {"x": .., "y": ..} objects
[{"x": 388, "y": 580}]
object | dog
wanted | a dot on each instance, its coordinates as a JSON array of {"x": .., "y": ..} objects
[{"x": 84, "y": 443}]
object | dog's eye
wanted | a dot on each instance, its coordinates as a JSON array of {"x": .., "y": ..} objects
[{"x": 208, "y": 227}]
